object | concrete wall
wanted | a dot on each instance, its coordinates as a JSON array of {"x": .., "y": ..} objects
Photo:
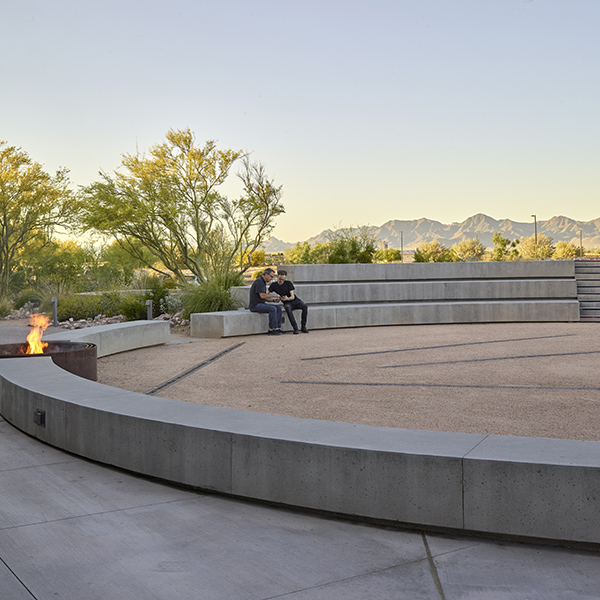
[
  {"x": 118, "y": 337},
  {"x": 540, "y": 488},
  {"x": 536, "y": 269},
  {"x": 415, "y": 291}
]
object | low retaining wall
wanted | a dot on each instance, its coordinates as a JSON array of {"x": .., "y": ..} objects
[
  {"x": 118, "y": 337},
  {"x": 538, "y": 488}
]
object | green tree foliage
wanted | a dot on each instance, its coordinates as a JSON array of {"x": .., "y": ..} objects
[
  {"x": 254, "y": 259},
  {"x": 433, "y": 252},
  {"x": 352, "y": 245},
  {"x": 170, "y": 203},
  {"x": 504, "y": 249},
  {"x": 532, "y": 250},
  {"x": 468, "y": 250},
  {"x": 47, "y": 260},
  {"x": 32, "y": 204},
  {"x": 388, "y": 255},
  {"x": 298, "y": 254},
  {"x": 566, "y": 250},
  {"x": 344, "y": 245}
]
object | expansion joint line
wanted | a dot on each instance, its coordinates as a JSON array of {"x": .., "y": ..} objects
[
  {"x": 433, "y": 568},
  {"x": 164, "y": 384}
]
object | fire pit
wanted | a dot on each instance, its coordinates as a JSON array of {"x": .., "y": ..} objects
[{"x": 76, "y": 357}]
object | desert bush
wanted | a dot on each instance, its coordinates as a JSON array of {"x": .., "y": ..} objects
[
  {"x": 468, "y": 250},
  {"x": 87, "y": 306},
  {"x": 29, "y": 296},
  {"x": 433, "y": 252},
  {"x": 504, "y": 249},
  {"x": 566, "y": 250},
  {"x": 209, "y": 296},
  {"x": 6, "y": 306},
  {"x": 133, "y": 307},
  {"x": 388, "y": 255},
  {"x": 530, "y": 250}
]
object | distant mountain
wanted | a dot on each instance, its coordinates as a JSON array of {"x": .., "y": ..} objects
[{"x": 419, "y": 231}]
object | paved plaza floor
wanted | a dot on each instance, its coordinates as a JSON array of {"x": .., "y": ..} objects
[{"x": 75, "y": 530}]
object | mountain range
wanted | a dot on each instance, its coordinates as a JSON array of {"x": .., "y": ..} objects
[{"x": 419, "y": 231}]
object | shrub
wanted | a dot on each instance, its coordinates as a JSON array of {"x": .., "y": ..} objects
[
  {"x": 504, "y": 249},
  {"x": 566, "y": 250},
  {"x": 5, "y": 307},
  {"x": 87, "y": 306},
  {"x": 29, "y": 296},
  {"x": 544, "y": 248},
  {"x": 468, "y": 250},
  {"x": 433, "y": 252},
  {"x": 388, "y": 255},
  {"x": 210, "y": 296},
  {"x": 133, "y": 307}
]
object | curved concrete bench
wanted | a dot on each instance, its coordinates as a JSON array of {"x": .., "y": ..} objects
[
  {"x": 527, "y": 487},
  {"x": 118, "y": 337}
]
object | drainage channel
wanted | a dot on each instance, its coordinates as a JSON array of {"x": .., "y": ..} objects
[{"x": 164, "y": 384}]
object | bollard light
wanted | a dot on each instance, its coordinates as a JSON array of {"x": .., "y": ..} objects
[
  {"x": 149, "y": 310},
  {"x": 55, "y": 311}
]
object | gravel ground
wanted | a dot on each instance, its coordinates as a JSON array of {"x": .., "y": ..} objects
[{"x": 525, "y": 379}]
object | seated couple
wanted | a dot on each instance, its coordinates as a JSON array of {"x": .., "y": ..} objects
[{"x": 280, "y": 290}]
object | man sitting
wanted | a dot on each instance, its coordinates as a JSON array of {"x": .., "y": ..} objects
[
  {"x": 259, "y": 297},
  {"x": 291, "y": 302}
]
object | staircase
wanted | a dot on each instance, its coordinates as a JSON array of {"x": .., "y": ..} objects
[{"x": 587, "y": 274}]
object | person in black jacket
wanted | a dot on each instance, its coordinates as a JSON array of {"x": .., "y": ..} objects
[
  {"x": 291, "y": 302},
  {"x": 260, "y": 296}
]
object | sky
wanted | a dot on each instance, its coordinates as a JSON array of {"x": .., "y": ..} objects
[{"x": 363, "y": 111}]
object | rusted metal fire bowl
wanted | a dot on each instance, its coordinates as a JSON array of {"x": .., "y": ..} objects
[{"x": 76, "y": 357}]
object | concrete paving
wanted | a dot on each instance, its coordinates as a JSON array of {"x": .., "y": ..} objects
[{"x": 75, "y": 530}]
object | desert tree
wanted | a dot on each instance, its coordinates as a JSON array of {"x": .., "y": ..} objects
[
  {"x": 170, "y": 203},
  {"x": 33, "y": 204}
]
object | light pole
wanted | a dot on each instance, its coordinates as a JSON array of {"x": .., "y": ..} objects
[
  {"x": 401, "y": 246},
  {"x": 535, "y": 234},
  {"x": 580, "y": 243}
]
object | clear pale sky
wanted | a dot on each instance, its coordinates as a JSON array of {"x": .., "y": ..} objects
[{"x": 363, "y": 111}]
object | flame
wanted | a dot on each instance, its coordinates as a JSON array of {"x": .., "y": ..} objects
[{"x": 34, "y": 339}]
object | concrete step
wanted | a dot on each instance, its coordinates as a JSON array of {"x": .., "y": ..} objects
[{"x": 589, "y": 304}]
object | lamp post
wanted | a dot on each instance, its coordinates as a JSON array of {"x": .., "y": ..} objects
[
  {"x": 580, "y": 243},
  {"x": 535, "y": 235},
  {"x": 401, "y": 246}
]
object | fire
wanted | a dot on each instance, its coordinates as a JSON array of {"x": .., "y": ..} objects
[{"x": 34, "y": 339}]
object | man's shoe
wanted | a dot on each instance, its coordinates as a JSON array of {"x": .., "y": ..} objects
[
  {"x": 304, "y": 330},
  {"x": 274, "y": 332},
  {"x": 296, "y": 332}
]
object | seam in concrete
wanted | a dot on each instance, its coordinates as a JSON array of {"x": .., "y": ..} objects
[
  {"x": 443, "y": 385},
  {"x": 543, "y": 337},
  {"x": 474, "y": 360},
  {"x": 433, "y": 569},
  {"x": 17, "y": 578},
  {"x": 168, "y": 382}
]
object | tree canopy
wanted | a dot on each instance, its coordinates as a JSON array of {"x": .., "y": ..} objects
[
  {"x": 532, "y": 249},
  {"x": 170, "y": 202},
  {"x": 32, "y": 204}
]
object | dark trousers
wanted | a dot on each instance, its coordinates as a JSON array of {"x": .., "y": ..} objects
[
  {"x": 274, "y": 312},
  {"x": 296, "y": 304}
]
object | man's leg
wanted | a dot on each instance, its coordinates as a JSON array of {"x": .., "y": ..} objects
[
  {"x": 273, "y": 311},
  {"x": 290, "y": 313},
  {"x": 298, "y": 304}
]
